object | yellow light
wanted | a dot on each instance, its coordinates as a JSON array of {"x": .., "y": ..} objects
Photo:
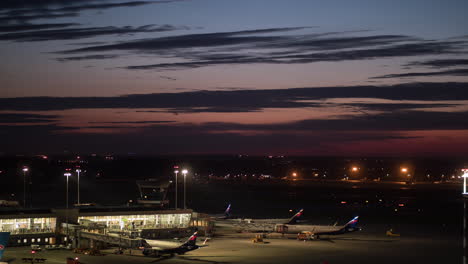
[
  {"x": 355, "y": 168},
  {"x": 404, "y": 170},
  {"x": 294, "y": 174}
]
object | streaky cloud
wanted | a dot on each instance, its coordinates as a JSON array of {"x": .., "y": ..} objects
[
  {"x": 455, "y": 72},
  {"x": 88, "y": 57},
  {"x": 78, "y": 33},
  {"x": 244, "y": 100},
  {"x": 440, "y": 63},
  {"x": 28, "y": 26}
]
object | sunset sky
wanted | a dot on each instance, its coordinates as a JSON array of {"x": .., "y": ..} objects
[{"x": 259, "y": 77}]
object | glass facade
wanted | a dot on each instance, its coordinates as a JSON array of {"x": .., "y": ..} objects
[
  {"x": 138, "y": 222},
  {"x": 28, "y": 225}
]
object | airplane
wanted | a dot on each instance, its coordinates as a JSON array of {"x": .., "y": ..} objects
[
  {"x": 4, "y": 236},
  {"x": 158, "y": 248},
  {"x": 315, "y": 231},
  {"x": 226, "y": 215},
  {"x": 256, "y": 225}
]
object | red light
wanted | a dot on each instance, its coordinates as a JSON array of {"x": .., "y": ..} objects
[
  {"x": 33, "y": 251},
  {"x": 176, "y": 167},
  {"x": 343, "y": 202},
  {"x": 401, "y": 205}
]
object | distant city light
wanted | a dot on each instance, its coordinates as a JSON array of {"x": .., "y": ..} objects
[{"x": 25, "y": 169}]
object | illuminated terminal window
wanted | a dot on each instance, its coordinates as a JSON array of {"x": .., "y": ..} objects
[
  {"x": 131, "y": 222},
  {"x": 28, "y": 225}
]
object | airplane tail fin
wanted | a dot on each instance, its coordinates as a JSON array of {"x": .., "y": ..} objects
[
  {"x": 352, "y": 223},
  {"x": 227, "y": 213},
  {"x": 294, "y": 218},
  {"x": 192, "y": 240},
  {"x": 4, "y": 236}
]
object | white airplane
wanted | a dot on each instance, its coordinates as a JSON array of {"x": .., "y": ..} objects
[
  {"x": 315, "y": 231},
  {"x": 158, "y": 248},
  {"x": 253, "y": 225}
]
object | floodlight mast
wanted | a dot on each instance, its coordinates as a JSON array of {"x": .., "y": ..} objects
[{"x": 465, "y": 177}]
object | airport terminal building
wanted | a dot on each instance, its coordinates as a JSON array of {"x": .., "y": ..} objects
[{"x": 48, "y": 227}]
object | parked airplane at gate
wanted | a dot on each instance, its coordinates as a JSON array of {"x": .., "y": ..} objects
[
  {"x": 157, "y": 248},
  {"x": 315, "y": 231},
  {"x": 4, "y": 236}
]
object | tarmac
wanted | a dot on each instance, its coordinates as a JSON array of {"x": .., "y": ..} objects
[{"x": 361, "y": 247}]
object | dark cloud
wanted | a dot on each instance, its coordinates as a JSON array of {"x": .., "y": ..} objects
[
  {"x": 27, "y": 26},
  {"x": 100, "y": 6},
  {"x": 362, "y": 107},
  {"x": 23, "y": 18},
  {"x": 78, "y": 33},
  {"x": 133, "y": 122},
  {"x": 397, "y": 50},
  {"x": 390, "y": 121},
  {"x": 168, "y": 78},
  {"x": 266, "y": 46},
  {"x": 88, "y": 57},
  {"x": 25, "y": 10},
  {"x": 441, "y": 63},
  {"x": 26, "y": 118},
  {"x": 191, "y": 41},
  {"x": 243, "y": 100},
  {"x": 455, "y": 72}
]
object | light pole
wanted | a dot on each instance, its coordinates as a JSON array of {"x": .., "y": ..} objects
[
  {"x": 67, "y": 174},
  {"x": 465, "y": 177},
  {"x": 78, "y": 172},
  {"x": 25, "y": 169},
  {"x": 184, "y": 172},
  {"x": 176, "y": 172},
  {"x": 405, "y": 172}
]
